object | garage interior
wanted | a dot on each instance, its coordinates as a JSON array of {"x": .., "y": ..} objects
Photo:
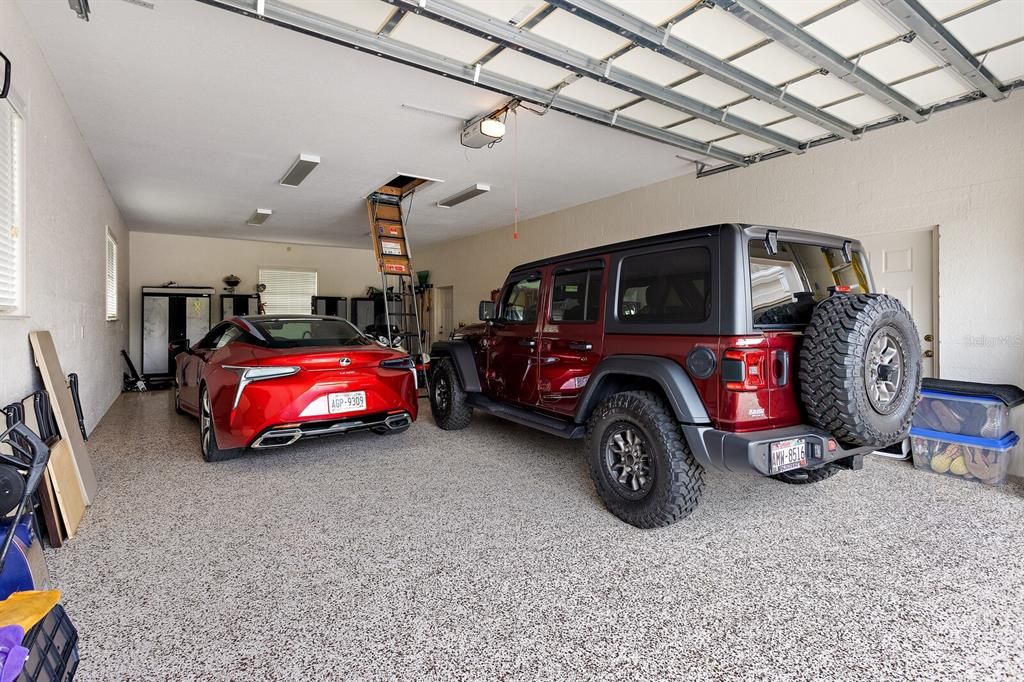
[{"x": 166, "y": 165}]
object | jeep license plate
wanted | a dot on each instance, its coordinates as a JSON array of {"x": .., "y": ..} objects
[
  {"x": 346, "y": 402},
  {"x": 788, "y": 454}
]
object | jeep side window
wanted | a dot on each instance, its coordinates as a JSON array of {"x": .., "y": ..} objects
[
  {"x": 667, "y": 286},
  {"x": 521, "y": 301},
  {"x": 576, "y": 296}
]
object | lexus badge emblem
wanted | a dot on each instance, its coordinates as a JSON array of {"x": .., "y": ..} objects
[{"x": 345, "y": 362}]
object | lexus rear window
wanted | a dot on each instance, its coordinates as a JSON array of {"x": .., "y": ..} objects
[
  {"x": 301, "y": 332},
  {"x": 665, "y": 287},
  {"x": 785, "y": 287}
]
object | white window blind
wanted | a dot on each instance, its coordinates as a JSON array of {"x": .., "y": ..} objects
[
  {"x": 289, "y": 291},
  {"x": 10, "y": 209},
  {"x": 111, "y": 277}
]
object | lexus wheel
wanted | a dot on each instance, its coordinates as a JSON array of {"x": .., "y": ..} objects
[
  {"x": 207, "y": 434},
  {"x": 177, "y": 399}
]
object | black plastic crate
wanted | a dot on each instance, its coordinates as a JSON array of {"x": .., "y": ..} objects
[{"x": 52, "y": 645}]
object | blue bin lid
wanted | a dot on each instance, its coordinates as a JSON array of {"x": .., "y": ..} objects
[
  {"x": 943, "y": 395},
  {"x": 1004, "y": 443}
]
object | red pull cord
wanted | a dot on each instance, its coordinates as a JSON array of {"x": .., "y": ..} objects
[{"x": 515, "y": 175}]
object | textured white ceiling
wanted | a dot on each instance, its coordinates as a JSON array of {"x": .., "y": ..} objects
[{"x": 193, "y": 115}]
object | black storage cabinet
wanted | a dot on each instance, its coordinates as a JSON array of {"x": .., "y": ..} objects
[
  {"x": 171, "y": 316},
  {"x": 238, "y": 305},
  {"x": 333, "y": 306}
]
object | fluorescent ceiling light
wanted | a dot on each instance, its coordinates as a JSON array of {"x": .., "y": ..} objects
[
  {"x": 465, "y": 195},
  {"x": 260, "y": 216},
  {"x": 302, "y": 167}
]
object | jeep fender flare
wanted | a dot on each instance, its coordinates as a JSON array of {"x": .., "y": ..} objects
[
  {"x": 461, "y": 355},
  {"x": 679, "y": 390}
]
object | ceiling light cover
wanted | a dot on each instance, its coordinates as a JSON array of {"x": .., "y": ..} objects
[
  {"x": 260, "y": 216},
  {"x": 465, "y": 195},
  {"x": 302, "y": 167}
]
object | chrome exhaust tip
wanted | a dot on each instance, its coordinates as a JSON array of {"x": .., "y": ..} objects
[
  {"x": 398, "y": 421},
  {"x": 277, "y": 439}
]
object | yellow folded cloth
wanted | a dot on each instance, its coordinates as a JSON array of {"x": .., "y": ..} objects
[{"x": 27, "y": 608}]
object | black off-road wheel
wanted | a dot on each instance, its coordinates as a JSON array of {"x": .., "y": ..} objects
[
  {"x": 860, "y": 369},
  {"x": 447, "y": 398},
  {"x": 207, "y": 435},
  {"x": 807, "y": 476},
  {"x": 639, "y": 460}
]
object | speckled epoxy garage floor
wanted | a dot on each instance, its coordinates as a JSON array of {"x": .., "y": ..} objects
[{"x": 485, "y": 554}]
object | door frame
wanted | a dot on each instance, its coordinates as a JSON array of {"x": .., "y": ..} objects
[
  {"x": 437, "y": 310},
  {"x": 936, "y": 293}
]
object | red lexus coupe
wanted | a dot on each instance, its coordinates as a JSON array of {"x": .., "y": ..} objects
[{"x": 268, "y": 381}]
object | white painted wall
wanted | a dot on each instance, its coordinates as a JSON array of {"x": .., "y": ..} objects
[
  {"x": 963, "y": 171},
  {"x": 68, "y": 207},
  {"x": 205, "y": 261}
]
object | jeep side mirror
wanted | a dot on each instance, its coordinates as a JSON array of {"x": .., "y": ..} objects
[{"x": 486, "y": 311}]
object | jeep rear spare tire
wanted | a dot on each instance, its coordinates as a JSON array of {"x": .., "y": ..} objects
[
  {"x": 860, "y": 369},
  {"x": 640, "y": 463}
]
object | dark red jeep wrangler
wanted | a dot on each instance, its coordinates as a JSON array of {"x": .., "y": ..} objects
[{"x": 739, "y": 347}]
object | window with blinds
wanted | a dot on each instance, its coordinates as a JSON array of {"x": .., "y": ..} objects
[
  {"x": 11, "y": 210},
  {"x": 111, "y": 287},
  {"x": 289, "y": 290}
]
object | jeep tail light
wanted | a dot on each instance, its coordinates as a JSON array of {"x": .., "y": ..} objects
[{"x": 745, "y": 370}]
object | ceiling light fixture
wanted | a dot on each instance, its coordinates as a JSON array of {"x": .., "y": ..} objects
[
  {"x": 80, "y": 7},
  {"x": 302, "y": 167},
  {"x": 260, "y": 216},
  {"x": 465, "y": 195}
]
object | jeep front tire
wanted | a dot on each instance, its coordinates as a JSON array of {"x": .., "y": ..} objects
[
  {"x": 447, "y": 398},
  {"x": 640, "y": 463}
]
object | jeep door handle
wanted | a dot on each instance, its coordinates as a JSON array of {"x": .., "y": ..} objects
[
  {"x": 528, "y": 343},
  {"x": 581, "y": 345}
]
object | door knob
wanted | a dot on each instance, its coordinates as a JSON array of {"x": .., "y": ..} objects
[
  {"x": 529, "y": 343},
  {"x": 581, "y": 345},
  {"x": 929, "y": 338}
]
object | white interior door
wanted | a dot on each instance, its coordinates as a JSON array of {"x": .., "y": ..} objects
[
  {"x": 903, "y": 264},
  {"x": 445, "y": 312}
]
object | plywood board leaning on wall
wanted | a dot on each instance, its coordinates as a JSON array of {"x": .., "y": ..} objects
[
  {"x": 63, "y": 404},
  {"x": 65, "y": 482}
]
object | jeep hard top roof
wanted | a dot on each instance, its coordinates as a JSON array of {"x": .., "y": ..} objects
[{"x": 732, "y": 229}]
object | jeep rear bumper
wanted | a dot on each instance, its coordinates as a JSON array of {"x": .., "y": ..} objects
[{"x": 750, "y": 451}]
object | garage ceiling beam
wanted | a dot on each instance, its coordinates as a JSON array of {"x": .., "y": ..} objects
[
  {"x": 485, "y": 26},
  {"x": 286, "y": 16},
  {"x": 661, "y": 40},
  {"x": 911, "y": 14},
  {"x": 786, "y": 33}
]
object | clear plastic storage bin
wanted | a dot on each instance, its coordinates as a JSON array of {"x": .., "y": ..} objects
[
  {"x": 978, "y": 416},
  {"x": 982, "y": 459}
]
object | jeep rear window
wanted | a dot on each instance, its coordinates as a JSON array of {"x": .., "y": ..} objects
[
  {"x": 665, "y": 287},
  {"x": 785, "y": 287}
]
